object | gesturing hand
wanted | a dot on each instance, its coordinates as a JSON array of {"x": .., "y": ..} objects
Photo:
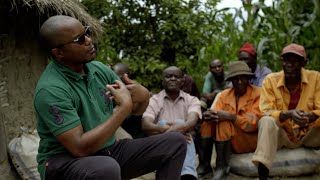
[
  {"x": 120, "y": 94},
  {"x": 139, "y": 95},
  {"x": 138, "y": 92}
]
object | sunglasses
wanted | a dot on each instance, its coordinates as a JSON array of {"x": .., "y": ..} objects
[{"x": 81, "y": 38}]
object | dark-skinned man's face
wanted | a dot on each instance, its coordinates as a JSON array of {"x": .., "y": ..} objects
[
  {"x": 75, "y": 44},
  {"x": 247, "y": 58},
  {"x": 172, "y": 79},
  {"x": 216, "y": 67},
  {"x": 240, "y": 84},
  {"x": 292, "y": 65}
]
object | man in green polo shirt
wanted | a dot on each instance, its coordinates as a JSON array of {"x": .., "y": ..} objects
[{"x": 74, "y": 103}]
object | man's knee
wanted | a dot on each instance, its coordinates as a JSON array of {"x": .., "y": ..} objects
[
  {"x": 268, "y": 123},
  {"x": 174, "y": 136},
  {"x": 176, "y": 140},
  {"x": 103, "y": 167}
]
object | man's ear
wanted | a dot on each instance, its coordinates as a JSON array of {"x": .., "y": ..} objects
[{"x": 57, "y": 53}]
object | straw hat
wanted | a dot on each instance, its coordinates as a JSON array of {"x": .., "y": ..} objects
[{"x": 238, "y": 68}]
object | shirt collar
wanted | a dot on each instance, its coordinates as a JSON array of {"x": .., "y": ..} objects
[
  {"x": 304, "y": 79},
  {"x": 70, "y": 73},
  {"x": 166, "y": 95},
  {"x": 232, "y": 96},
  {"x": 304, "y": 76}
]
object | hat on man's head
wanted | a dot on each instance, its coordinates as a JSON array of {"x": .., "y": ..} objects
[
  {"x": 295, "y": 49},
  {"x": 249, "y": 48},
  {"x": 238, "y": 68}
]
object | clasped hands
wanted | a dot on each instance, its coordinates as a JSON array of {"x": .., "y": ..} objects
[
  {"x": 217, "y": 116},
  {"x": 301, "y": 117}
]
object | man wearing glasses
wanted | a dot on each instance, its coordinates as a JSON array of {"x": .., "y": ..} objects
[{"x": 74, "y": 104}]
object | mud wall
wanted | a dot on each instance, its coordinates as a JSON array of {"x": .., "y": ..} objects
[{"x": 21, "y": 65}]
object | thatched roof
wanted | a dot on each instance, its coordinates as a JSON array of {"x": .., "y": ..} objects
[{"x": 23, "y": 18}]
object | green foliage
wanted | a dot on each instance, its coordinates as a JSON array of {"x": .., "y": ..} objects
[
  {"x": 149, "y": 35},
  {"x": 284, "y": 22}
]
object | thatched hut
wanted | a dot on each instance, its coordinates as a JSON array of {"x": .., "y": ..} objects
[{"x": 22, "y": 62}]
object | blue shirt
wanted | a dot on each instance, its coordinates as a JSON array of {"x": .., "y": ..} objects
[{"x": 260, "y": 73}]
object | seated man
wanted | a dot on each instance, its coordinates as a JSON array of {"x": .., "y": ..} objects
[
  {"x": 233, "y": 120},
  {"x": 214, "y": 81},
  {"x": 174, "y": 110},
  {"x": 76, "y": 122},
  {"x": 290, "y": 103},
  {"x": 248, "y": 54}
]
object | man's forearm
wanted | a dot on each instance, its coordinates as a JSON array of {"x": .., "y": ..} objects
[
  {"x": 151, "y": 128},
  {"x": 140, "y": 107},
  {"x": 186, "y": 127},
  {"x": 191, "y": 121},
  {"x": 224, "y": 115},
  {"x": 80, "y": 143}
]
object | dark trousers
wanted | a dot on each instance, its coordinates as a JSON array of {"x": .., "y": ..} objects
[
  {"x": 133, "y": 125},
  {"x": 126, "y": 159}
]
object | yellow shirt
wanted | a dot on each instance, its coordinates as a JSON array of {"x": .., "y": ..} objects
[{"x": 275, "y": 98}]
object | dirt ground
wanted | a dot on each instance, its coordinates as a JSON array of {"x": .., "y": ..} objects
[
  {"x": 151, "y": 176},
  {"x": 236, "y": 177}
]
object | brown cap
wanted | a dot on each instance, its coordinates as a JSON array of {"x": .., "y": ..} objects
[
  {"x": 238, "y": 68},
  {"x": 295, "y": 49}
]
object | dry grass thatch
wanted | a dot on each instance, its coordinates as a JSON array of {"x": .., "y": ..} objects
[{"x": 24, "y": 17}]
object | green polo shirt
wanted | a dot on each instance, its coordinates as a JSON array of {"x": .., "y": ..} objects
[{"x": 64, "y": 100}]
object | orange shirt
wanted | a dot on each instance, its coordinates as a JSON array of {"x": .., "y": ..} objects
[
  {"x": 243, "y": 132},
  {"x": 275, "y": 98}
]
